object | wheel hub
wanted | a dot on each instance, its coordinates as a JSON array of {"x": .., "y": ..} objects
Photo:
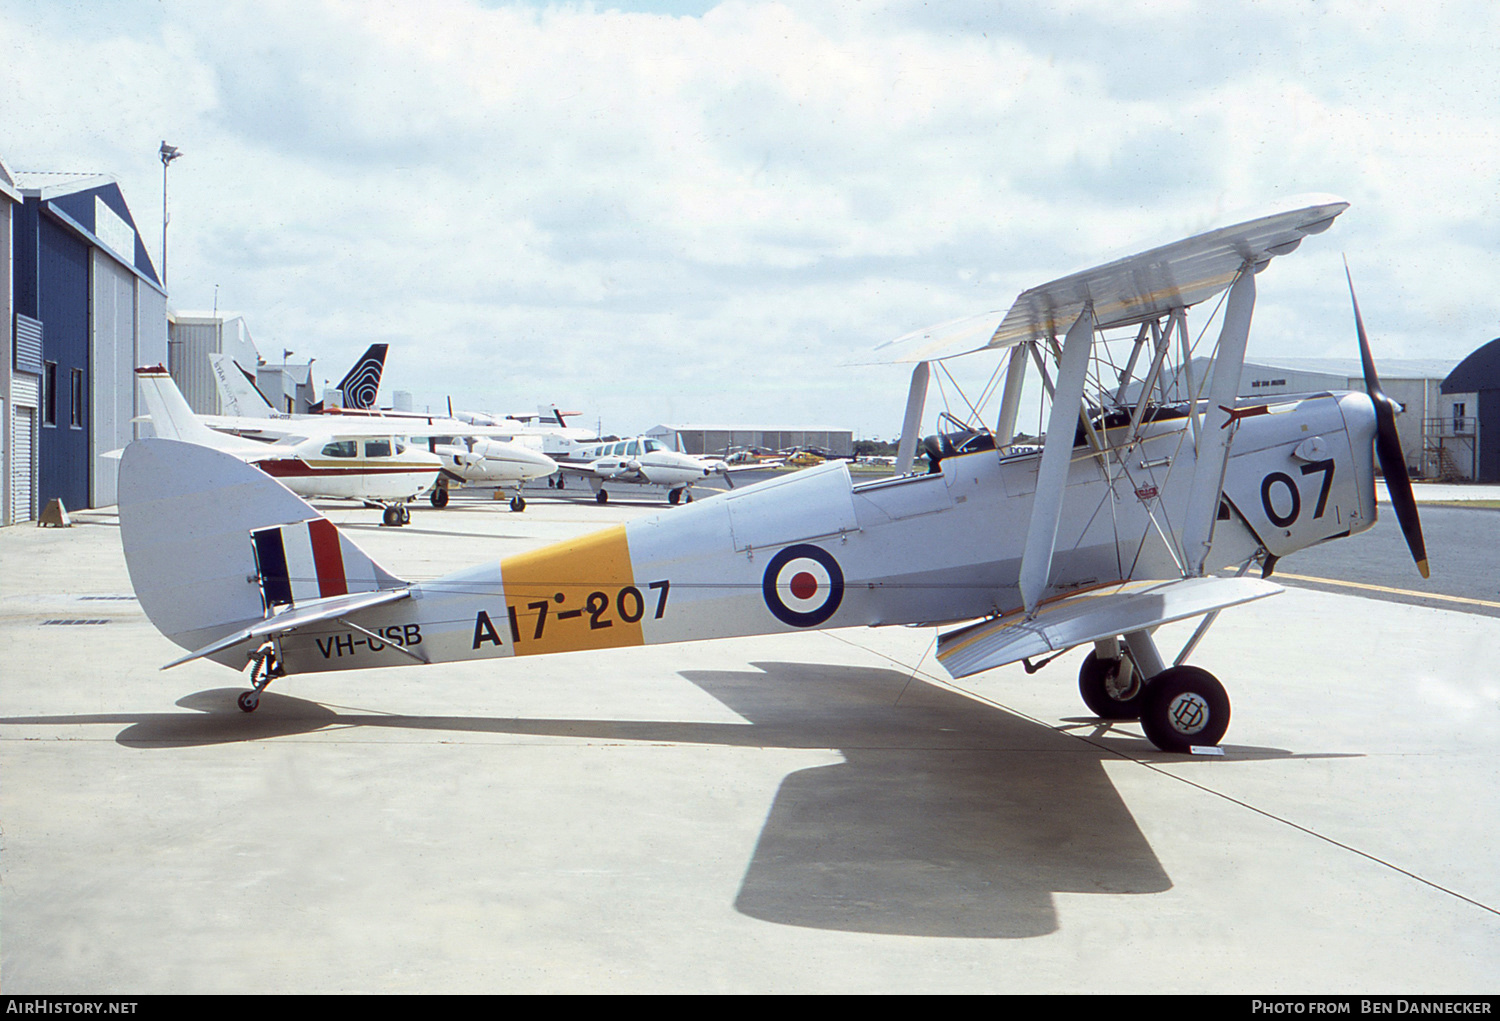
[{"x": 1188, "y": 713}]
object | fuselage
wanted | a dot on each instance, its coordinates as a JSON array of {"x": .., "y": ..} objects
[{"x": 814, "y": 550}]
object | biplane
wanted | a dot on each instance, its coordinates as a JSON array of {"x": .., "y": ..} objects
[{"x": 1135, "y": 512}]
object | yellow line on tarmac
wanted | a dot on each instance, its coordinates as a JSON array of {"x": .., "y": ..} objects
[{"x": 1393, "y": 591}]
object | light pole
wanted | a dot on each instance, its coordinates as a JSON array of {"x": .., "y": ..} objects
[{"x": 168, "y": 153}]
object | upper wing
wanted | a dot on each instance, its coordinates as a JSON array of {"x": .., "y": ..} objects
[{"x": 1129, "y": 290}]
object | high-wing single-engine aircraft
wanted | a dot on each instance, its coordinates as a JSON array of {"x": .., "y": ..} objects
[
  {"x": 377, "y": 466},
  {"x": 481, "y": 456},
  {"x": 1125, "y": 519},
  {"x": 641, "y": 461}
]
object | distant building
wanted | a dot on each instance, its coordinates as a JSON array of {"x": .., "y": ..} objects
[
  {"x": 84, "y": 308},
  {"x": 721, "y": 440},
  {"x": 1414, "y": 384},
  {"x": 1473, "y": 392},
  {"x": 192, "y": 337}
]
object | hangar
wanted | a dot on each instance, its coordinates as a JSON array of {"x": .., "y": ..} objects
[
  {"x": 84, "y": 308},
  {"x": 1436, "y": 440},
  {"x": 1473, "y": 391},
  {"x": 724, "y": 439}
]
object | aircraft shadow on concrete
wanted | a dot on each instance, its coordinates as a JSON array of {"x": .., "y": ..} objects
[{"x": 948, "y": 817}]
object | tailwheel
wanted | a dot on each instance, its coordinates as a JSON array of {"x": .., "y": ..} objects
[
  {"x": 264, "y": 668},
  {"x": 1184, "y": 706},
  {"x": 1112, "y": 688}
]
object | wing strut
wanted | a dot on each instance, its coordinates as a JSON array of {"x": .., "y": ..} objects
[
  {"x": 1052, "y": 474},
  {"x": 1214, "y": 436},
  {"x": 1010, "y": 403},
  {"x": 916, "y": 400}
]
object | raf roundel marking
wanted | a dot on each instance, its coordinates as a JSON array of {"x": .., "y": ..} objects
[{"x": 803, "y": 585}]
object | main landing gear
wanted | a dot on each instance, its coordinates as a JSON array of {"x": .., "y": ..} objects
[
  {"x": 395, "y": 515},
  {"x": 1180, "y": 707},
  {"x": 264, "y": 668},
  {"x": 676, "y": 496}
]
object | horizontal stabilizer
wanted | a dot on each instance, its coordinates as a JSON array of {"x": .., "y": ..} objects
[
  {"x": 298, "y": 616},
  {"x": 1090, "y": 616},
  {"x": 1129, "y": 290}
]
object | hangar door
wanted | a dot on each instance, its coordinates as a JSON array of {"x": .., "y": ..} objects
[{"x": 23, "y": 424}]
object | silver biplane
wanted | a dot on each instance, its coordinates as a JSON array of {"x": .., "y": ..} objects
[{"x": 1134, "y": 513}]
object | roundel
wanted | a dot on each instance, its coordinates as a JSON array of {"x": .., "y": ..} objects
[{"x": 803, "y": 586}]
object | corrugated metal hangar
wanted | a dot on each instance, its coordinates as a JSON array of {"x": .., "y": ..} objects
[
  {"x": 721, "y": 440},
  {"x": 1437, "y": 424},
  {"x": 1473, "y": 389},
  {"x": 83, "y": 308}
]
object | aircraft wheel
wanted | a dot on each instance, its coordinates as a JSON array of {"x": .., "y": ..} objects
[
  {"x": 517, "y": 504},
  {"x": 1099, "y": 684},
  {"x": 439, "y": 497},
  {"x": 687, "y": 496},
  {"x": 674, "y": 497},
  {"x": 1184, "y": 706},
  {"x": 601, "y": 497},
  {"x": 391, "y": 517},
  {"x": 403, "y": 515},
  {"x": 248, "y": 701}
]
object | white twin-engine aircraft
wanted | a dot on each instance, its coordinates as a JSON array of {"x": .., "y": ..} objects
[
  {"x": 641, "y": 461},
  {"x": 1122, "y": 521}
]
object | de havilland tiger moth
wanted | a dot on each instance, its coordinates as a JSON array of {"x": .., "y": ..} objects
[{"x": 1126, "y": 519}]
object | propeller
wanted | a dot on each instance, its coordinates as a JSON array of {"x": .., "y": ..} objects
[{"x": 1388, "y": 445}]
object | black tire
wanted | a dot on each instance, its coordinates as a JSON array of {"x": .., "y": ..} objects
[
  {"x": 1184, "y": 706},
  {"x": 601, "y": 497},
  {"x": 439, "y": 497},
  {"x": 403, "y": 515},
  {"x": 1097, "y": 683},
  {"x": 687, "y": 496},
  {"x": 674, "y": 497},
  {"x": 391, "y": 517},
  {"x": 517, "y": 504},
  {"x": 248, "y": 701}
]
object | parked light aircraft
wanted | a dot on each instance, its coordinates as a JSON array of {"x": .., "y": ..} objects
[
  {"x": 1122, "y": 522},
  {"x": 641, "y": 461},
  {"x": 471, "y": 455},
  {"x": 377, "y": 467}
]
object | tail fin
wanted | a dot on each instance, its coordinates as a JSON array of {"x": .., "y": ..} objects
[
  {"x": 171, "y": 417},
  {"x": 237, "y": 391},
  {"x": 362, "y": 383},
  {"x": 213, "y": 545}
]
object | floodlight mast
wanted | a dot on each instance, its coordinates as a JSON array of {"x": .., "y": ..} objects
[{"x": 168, "y": 153}]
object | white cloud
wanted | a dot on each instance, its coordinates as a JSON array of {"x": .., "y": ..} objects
[{"x": 637, "y": 210}]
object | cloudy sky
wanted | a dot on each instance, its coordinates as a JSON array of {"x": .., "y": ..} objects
[{"x": 703, "y": 212}]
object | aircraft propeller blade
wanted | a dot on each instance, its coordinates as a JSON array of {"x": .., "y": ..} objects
[{"x": 1388, "y": 445}]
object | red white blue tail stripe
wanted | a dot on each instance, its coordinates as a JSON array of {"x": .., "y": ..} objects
[{"x": 309, "y": 560}]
